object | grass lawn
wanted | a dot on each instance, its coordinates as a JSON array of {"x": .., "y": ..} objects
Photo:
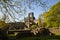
[
  {"x": 57, "y": 33},
  {"x": 56, "y": 37},
  {"x": 42, "y": 38}
]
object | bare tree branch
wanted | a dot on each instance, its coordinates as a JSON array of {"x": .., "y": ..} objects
[{"x": 18, "y": 7}]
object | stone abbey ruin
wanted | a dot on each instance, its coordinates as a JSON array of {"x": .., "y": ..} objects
[
  {"x": 23, "y": 27},
  {"x": 28, "y": 22}
]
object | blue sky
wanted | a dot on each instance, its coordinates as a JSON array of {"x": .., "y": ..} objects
[{"x": 39, "y": 10}]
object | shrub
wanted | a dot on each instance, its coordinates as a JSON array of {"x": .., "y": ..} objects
[{"x": 34, "y": 26}]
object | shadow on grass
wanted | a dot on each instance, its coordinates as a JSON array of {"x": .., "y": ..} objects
[
  {"x": 3, "y": 35},
  {"x": 56, "y": 37},
  {"x": 33, "y": 37}
]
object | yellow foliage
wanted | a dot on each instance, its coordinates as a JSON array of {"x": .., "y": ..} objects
[
  {"x": 39, "y": 22},
  {"x": 52, "y": 17},
  {"x": 2, "y": 24}
]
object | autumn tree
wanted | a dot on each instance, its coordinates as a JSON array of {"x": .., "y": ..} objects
[
  {"x": 52, "y": 17},
  {"x": 39, "y": 22},
  {"x": 4, "y": 25}
]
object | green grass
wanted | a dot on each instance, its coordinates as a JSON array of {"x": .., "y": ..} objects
[
  {"x": 57, "y": 33},
  {"x": 42, "y": 38},
  {"x": 56, "y": 37},
  {"x": 11, "y": 35},
  {"x": 37, "y": 39}
]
